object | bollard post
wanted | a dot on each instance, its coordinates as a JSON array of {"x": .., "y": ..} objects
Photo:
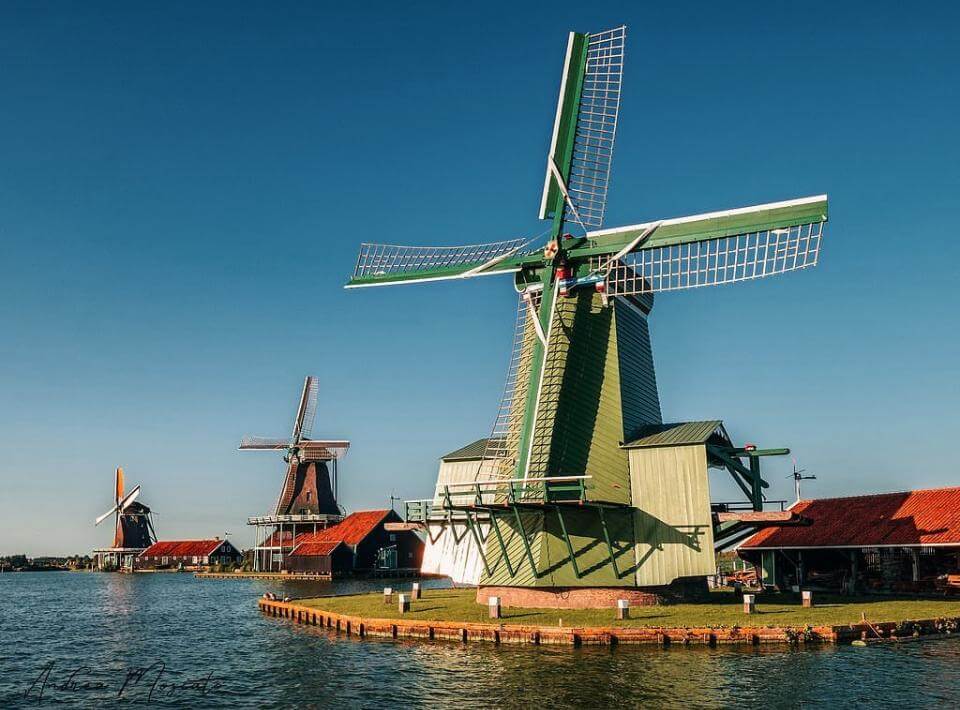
[
  {"x": 387, "y": 595},
  {"x": 623, "y": 609},
  {"x": 749, "y": 603},
  {"x": 404, "y": 604},
  {"x": 807, "y": 600},
  {"x": 493, "y": 605},
  {"x": 416, "y": 591}
]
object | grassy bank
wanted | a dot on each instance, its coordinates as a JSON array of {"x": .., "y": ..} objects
[{"x": 779, "y": 610}]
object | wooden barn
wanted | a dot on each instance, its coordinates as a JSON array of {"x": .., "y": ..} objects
[
  {"x": 189, "y": 553},
  {"x": 360, "y": 543},
  {"x": 890, "y": 542}
]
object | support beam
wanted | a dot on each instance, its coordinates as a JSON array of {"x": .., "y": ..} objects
[
  {"x": 606, "y": 537},
  {"x": 566, "y": 539},
  {"x": 503, "y": 547},
  {"x": 476, "y": 538},
  {"x": 526, "y": 543},
  {"x": 756, "y": 492},
  {"x": 740, "y": 451},
  {"x": 731, "y": 462}
]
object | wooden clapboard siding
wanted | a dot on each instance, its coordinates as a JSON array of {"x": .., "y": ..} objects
[
  {"x": 638, "y": 380},
  {"x": 579, "y": 419},
  {"x": 672, "y": 520},
  {"x": 593, "y": 557},
  {"x": 516, "y": 553}
]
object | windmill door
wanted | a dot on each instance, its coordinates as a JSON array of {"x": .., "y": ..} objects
[{"x": 387, "y": 557}]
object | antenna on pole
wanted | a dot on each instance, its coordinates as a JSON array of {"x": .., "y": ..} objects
[
  {"x": 798, "y": 476},
  {"x": 393, "y": 498}
]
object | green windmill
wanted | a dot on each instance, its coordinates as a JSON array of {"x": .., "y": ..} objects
[{"x": 581, "y": 485}]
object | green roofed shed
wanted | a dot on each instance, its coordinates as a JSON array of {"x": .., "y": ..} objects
[
  {"x": 680, "y": 434},
  {"x": 471, "y": 452}
]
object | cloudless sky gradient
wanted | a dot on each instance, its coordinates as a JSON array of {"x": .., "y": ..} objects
[{"x": 184, "y": 186}]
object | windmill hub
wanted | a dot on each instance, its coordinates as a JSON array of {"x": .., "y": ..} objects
[{"x": 556, "y": 500}]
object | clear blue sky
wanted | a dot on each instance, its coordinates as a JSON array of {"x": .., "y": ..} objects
[{"x": 183, "y": 187}]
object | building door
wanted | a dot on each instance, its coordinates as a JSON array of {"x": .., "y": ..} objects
[
  {"x": 768, "y": 568},
  {"x": 387, "y": 557}
]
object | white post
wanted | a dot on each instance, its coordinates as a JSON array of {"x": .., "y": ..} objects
[
  {"x": 387, "y": 595},
  {"x": 623, "y": 609},
  {"x": 416, "y": 591},
  {"x": 404, "y": 603},
  {"x": 749, "y": 603},
  {"x": 493, "y": 606},
  {"x": 807, "y": 599}
]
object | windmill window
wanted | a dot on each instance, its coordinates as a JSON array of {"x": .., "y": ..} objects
[{"x": 308, "y": 496}]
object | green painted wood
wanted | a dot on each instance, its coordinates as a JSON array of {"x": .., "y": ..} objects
[
  {"x": 536, "y": 359},
  {"x": 612, "y": 240},
  {"x": 673, "y": 522},
  {"x": 584, "y": 533},
  {"x": 570, "y": 107},
  {"x": 639, "y": 397},
  {"x": 598, "y": 381},
  {"x": 518, "y": 573}
]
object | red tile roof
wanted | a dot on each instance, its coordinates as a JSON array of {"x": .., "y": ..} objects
[
  {"x": 274, "y": 539},
  {"x": 352, "y": 530},
  {"x": 182, "y": 548},
  {"x": 315, "y": 549},
  {"x": 927, "y": 517}
]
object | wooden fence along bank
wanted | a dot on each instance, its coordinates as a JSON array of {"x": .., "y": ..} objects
[{"x": 591, "y": 636}]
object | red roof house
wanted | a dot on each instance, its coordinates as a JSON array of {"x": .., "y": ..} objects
[
  {"x": 907, "y": 541},
  {"x": 913, "y": 518},
  {"x": 363, "y": 536},
  {"x": 189, "y": 553}
]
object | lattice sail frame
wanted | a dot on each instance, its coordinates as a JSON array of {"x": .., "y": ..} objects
[
  {"x": 596, "y": 129},
  {"x": 723, "y": 260},
  {"x": 503, "y": 444},
  {"x": 379, "y": 260}
]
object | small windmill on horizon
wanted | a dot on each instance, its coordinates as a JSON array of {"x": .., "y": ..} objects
[
  {"x": 308, "y": 494},
  {"x": 133, "y": 527}
]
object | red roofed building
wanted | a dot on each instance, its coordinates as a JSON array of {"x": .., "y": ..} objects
[
  {"x": 189, "y": 553},
  {"x": 907, "y": 541},
  {"x": 359, "y": 543}
]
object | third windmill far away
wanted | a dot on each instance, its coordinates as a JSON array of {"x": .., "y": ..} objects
[{"x": 556, "y": 499}]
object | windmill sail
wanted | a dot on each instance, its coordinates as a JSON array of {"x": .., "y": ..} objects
[
  {"x": 503, "y": 445},
  {"x": 714, "y": 248},
  {"x": 263, "y": 443},
  {"x": 303, "y": 425},
  {"x": 383, "y": 264},
  {"x": 585, "y": 127}
]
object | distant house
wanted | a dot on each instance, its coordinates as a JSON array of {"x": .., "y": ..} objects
[
  {"x": 361, "y": 542},
  {"x": 900, "y": 542},
  {"x": 189, "y": 553}
]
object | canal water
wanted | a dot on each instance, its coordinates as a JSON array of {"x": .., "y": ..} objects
[{"x": 176, "y": 641}]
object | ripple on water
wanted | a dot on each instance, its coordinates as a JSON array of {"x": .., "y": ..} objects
[{"x": 110, "y": 623}]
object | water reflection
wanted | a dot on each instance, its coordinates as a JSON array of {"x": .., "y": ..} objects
[{"x": 113, "y": 622}]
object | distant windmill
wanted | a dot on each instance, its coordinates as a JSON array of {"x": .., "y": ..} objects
[
  {"x": 133, "y": 527},
  {"x": 307, "y": 487},
  {"x": 798, "y": 476}
]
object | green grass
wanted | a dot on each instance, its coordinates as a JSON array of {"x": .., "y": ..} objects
[{"x": 773, "y": 610}]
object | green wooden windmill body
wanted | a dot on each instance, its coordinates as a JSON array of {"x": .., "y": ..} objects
[{"x": 565, "y": 503}]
